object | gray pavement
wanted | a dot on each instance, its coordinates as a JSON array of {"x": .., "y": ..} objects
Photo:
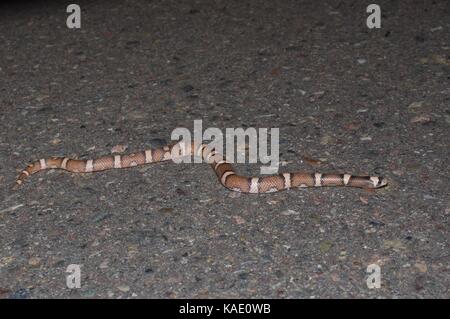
[{"x": 346, "y": 98}]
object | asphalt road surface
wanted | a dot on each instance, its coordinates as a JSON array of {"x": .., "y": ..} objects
[{"x": 345, "y": 97}]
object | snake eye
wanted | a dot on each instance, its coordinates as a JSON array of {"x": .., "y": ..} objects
[{"x": 381, "y": 182}]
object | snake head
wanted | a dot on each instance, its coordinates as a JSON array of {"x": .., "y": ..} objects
[{"x": 378, "y": 181}]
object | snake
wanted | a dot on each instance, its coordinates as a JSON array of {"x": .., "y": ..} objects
[{"x": 224, "y": 170}]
